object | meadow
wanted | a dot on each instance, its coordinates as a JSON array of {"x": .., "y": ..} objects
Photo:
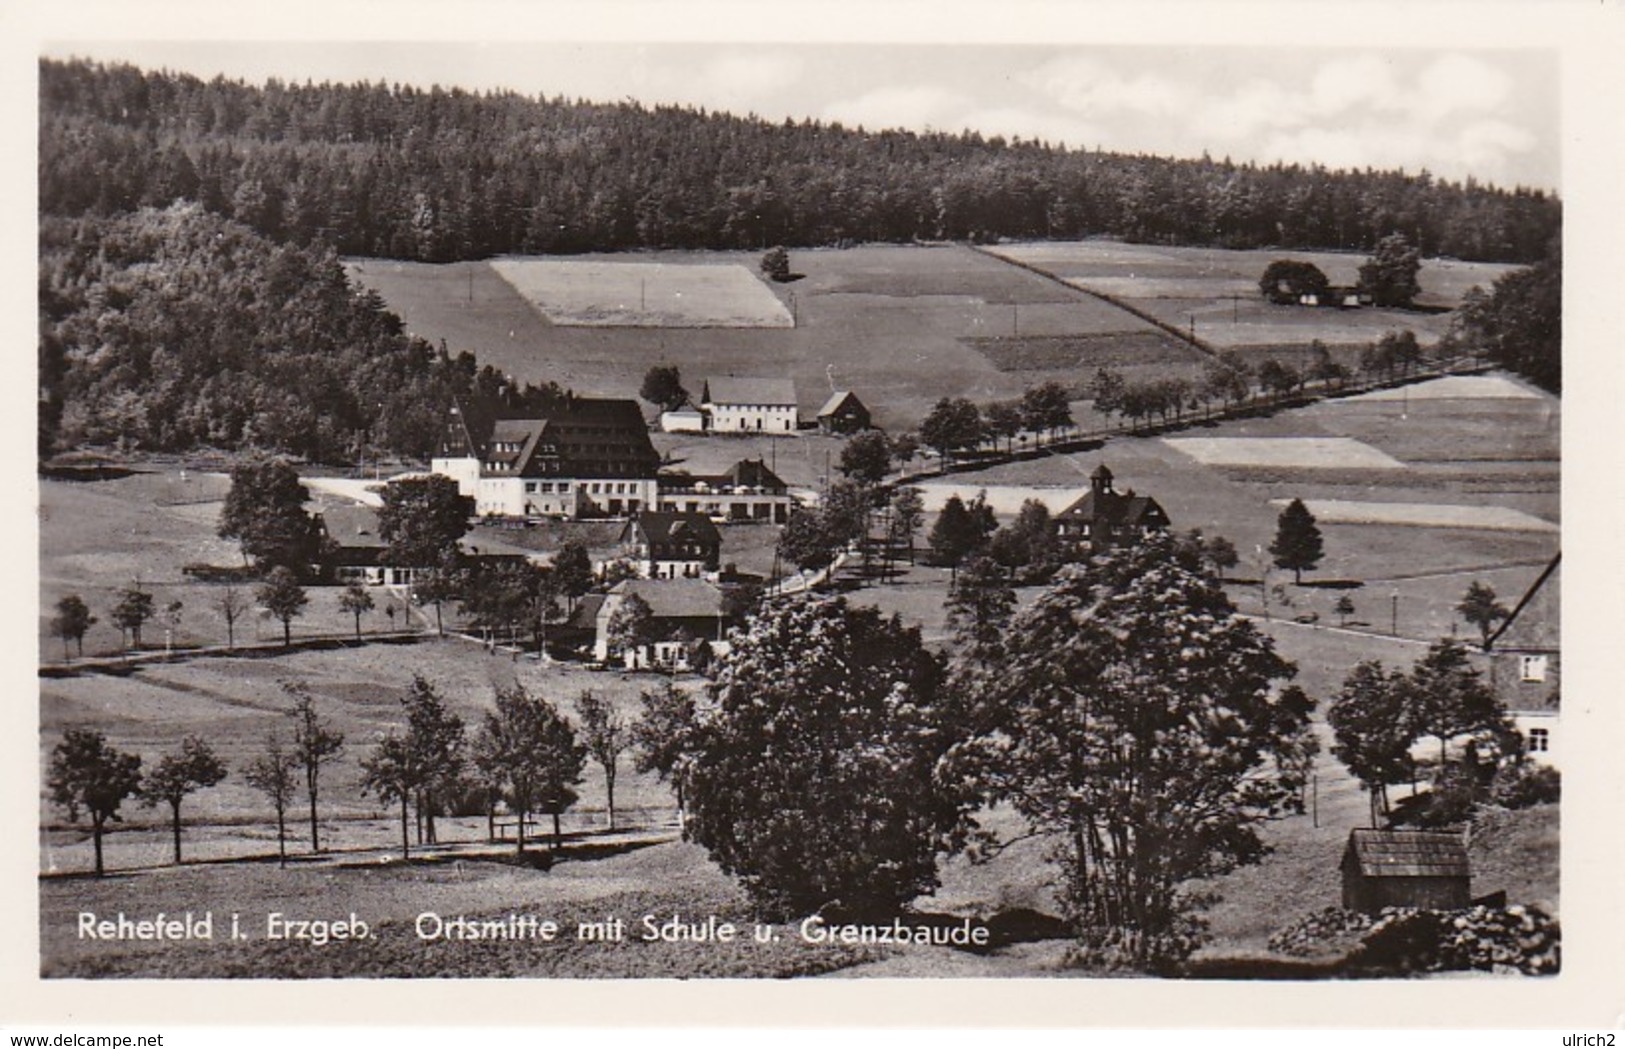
[{"x": 1213, "y": 292}]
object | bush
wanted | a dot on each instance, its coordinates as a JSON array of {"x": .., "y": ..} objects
[
  {"x": 1528, "y": 784},
  {"x": 1489, "y": 939}
]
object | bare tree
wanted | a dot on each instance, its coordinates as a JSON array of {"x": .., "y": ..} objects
[
  {"x": 272, "y": 774},
  {"x": 231, "y": 603},
  {"x": 314, "y": 741}
]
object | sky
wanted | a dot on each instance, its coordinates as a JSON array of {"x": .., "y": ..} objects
[{"x": 1489, "y": 114}]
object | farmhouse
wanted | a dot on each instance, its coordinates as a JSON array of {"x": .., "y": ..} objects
[
  {"x": 588, "y": 458},
  {"x": 750, "y": 405},
  {"x": 746, "y": 491},
  {"x": 843, "y": 413},
  {"x": 672, "y": 545},
  {"x": 1105, "y": 518},
  {"x": 684, "y": 613},
  {"x": 353, "y": 549},
  {"x": 1523, "y": 658},
  {"x": 1405, "y": 868}
]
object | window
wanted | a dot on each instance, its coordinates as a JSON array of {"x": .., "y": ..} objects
[
  {"x": 1540, "y": 741},
  {"x": 1531, "y": 668}
]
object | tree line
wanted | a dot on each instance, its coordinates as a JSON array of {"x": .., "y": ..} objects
[
  {"x": 440, "y": 174},
  {"x": 523, "y": 757}
]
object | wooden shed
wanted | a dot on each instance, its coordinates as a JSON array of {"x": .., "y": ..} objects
[{"x": 1405, "y": 868}]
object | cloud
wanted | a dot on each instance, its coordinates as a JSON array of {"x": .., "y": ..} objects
[
  {"x": 916, "y": 106},
  {"x": 746, "y": 74},
  {"x": 1459, "y": 84},
  {"x": 1096, "y": 89}
]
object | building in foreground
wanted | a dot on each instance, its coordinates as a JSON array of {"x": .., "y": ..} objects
[{"x": 1524, "y": 662}]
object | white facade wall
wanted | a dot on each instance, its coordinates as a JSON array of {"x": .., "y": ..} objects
[
  {"x": 682, "y": 422},
  {"x": 753, "y": 418},
  {"x": 465, "y": 470},
  {"x": 1531, "y": 725}
]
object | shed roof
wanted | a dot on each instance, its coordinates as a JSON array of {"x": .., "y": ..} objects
[
  {"x": 750, "y": 391},
  {"x": 1407, "y": 853}
]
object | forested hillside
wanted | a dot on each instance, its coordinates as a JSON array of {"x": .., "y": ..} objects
[
  {"x": 437, "y": 175},
  {"x": 176, "y": 329}
]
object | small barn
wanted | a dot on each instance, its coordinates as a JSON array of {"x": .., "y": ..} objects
[
  {"x": 844, "y": 413},
  {"x": 1405, "y": 868}
]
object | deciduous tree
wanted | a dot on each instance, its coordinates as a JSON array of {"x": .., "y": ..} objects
[
  {"x": 72, "y": 621},
  {"x": 1132, "y": 723},
  {"x": 315, "y": 741},
  {"x": 630, "y": 629},
  {"x": 391, "y": 774},
  {"x": 86, "y": 775},
  {"x": 531, "y": 750},
  {"x": 1389, "y": 275},
  {"x": 272, "y": 773},
  {"x": 811, "y": 778},
  {"x": 134, "y": 608},
  {"x": 1285, "y": 281},
  {"x": 661, "y": 734},
  {"x": 231, "y": 603},
  {"x": 1371, "y": 723},
  {"x": 283, "y": 597},
  {"x": 265, "y": 511},
  {"x": 865, "y": 458},
  {"x": 422, "y": 518},
  {"x": 355, "y": 600},
  {"x": 663, "y": 387},
  {"x": 1046, "y": 408},
  {"x": 605, "y": 734},
  {"x": 177, "y": 775},
  {"x": 1480, "y": 608}
]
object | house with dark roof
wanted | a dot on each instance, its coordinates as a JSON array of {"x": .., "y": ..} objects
[
  {"x": 843, "y": 413},
  {"x": 748, "y": 490},
  {"x": 589, "y": 457},
  {"x": 353, "y": 550},
  {"x": 684, "y": 613},
  {"x": 1405, "y": 868},
  {"x": 1524, "y": 664},
  {"x": 750, "y": 405},
  {"x": 1105, "y": 518},
  {"x": 672, "y": 545}
]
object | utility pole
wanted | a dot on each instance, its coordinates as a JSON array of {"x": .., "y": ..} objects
[{"x": 1393, "y": 627}]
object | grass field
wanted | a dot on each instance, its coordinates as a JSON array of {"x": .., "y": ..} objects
[
  {"x": 1213, "y": 292},
  {"x": 644, "y": 294},
  {"x": 901, "y": 325}
]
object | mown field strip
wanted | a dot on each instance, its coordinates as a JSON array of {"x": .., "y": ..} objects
[
  {"x": 644, "y": 294},
  {"x": 1324, "y": 453},
  {"x": 1423, "y": 515},
  {"x": 1454, "y": 387},
  {"x": 1005, "y": 500}
]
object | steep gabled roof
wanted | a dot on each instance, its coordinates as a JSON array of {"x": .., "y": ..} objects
[
  {"x": 777, "y": 392},
  {"x": 1534, "y": 622},
  {"x": 674, "y": 598},
  {"x": 1407, "y": 854},
  {"x": 658, "y": 526},
  {"x": 836, "y": 399},
  {"x": 1114, "y": 508}
]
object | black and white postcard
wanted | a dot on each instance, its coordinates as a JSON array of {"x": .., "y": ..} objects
[{"x": 916, "y": 506}]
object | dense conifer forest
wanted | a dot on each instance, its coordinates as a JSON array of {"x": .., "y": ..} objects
[
  {"x": 443, "y": 174},
  {"x": 190, "y": 292}
]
